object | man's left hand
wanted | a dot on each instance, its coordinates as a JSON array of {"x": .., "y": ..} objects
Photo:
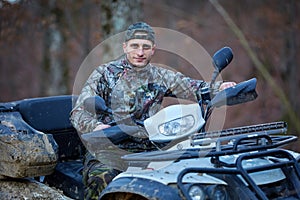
[{"x": 226, "y": 85}]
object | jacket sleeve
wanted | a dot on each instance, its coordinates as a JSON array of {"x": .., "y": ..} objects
[
  {"x": 180, "y": 85},
  {"x": 82, "y": 120},
  {"x": 185, "y": 87}
]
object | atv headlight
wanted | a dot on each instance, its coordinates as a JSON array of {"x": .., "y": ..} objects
[
  {"x": 218, "y": 192},
  {"x": 196, "y": 193},
  {"x": 177, "y": 126}
]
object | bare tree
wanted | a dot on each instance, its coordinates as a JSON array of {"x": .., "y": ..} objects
[
  {"x": 116, "y": 16},
  {"x": 288, "y": 101},
  {"x": 54, "y": 68},
  {"x": 290, "y": 50}
]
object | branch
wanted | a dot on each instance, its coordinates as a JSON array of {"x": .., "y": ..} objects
[{"x": 258, "y": 64}]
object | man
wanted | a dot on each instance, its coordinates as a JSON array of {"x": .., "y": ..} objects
[{"x": 127, "y": 85}]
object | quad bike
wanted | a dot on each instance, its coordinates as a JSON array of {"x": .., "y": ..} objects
[
  {"x": 237, "y": 163},
  {"x": 39, "y": 142}
]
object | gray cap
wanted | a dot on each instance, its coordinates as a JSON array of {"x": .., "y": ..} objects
[{"x": 140, "y": 30}]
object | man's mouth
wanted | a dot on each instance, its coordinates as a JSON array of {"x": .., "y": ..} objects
[{"x": 139, "y": 59}]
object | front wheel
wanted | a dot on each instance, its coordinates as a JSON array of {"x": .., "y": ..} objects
[{"x": 123, "y": 196}]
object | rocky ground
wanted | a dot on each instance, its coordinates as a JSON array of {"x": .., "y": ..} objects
[{"x": 28, "y": 189}]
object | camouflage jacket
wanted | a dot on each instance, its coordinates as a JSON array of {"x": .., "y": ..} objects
[{"x": 126, "y": 90}]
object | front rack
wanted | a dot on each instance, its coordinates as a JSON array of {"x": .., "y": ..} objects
[
  {"x": 261, "y": 140},
  {"x": 285, "y": 159},
  {"x": 243, "y": 139},
  {"x": 268, "y": 128}
]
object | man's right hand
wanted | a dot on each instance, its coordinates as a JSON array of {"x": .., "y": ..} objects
[{"x": 101, "y": 127}]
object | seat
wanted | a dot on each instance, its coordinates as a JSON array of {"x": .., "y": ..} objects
[{"x": 51, "y": 115}]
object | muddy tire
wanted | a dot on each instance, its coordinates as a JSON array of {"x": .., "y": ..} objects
[{"x": 123, "y": 196}]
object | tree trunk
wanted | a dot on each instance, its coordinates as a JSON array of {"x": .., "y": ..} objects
[
  {"x": 290, "y": 50},
  {"x": 54, "y": 79},
  {"x": 116, "y": 16}
]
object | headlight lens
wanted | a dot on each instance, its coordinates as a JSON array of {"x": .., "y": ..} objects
[
  {"x": 196, "y": 193},
  {"x": 177, "y": 126},
  {"x": 202, "y": 192},
  {"x": 218, "y": 192}
]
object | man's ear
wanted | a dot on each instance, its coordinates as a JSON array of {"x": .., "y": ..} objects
[
  {"x": 153, "y": 49},
  {"x": 124, "y": 47}
]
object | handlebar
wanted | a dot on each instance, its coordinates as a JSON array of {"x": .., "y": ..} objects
[{"x": 240, "y": 93}]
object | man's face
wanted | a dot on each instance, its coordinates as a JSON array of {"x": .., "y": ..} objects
[{"x": 139, "y": 52}]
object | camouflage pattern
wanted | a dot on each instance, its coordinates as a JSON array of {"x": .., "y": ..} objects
[
  {"x": 125, "y": 90},
  {"x": 96, "y": 177}
]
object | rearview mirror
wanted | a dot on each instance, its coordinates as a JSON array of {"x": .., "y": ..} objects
[{"x": 222, "y": 58}]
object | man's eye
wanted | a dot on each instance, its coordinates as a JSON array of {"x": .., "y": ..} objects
[
  {"x": 146, "y": 47},
  {"x": 134, "y": 46}
]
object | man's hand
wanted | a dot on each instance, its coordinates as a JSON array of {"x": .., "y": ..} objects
[
  {"x": 226, "y": 85},
  {"x": 101, "y": 127}
]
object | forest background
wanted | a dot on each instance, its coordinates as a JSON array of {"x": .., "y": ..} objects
[{"x": 43, "y": 44}]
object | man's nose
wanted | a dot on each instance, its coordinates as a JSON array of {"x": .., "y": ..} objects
[{"x": 140, "y": 51}]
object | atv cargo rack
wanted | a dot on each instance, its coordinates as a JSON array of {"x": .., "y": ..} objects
[
  {"x": 282, "y": 160},
  {"x": 243, "y": 139},
  {"x": 260, "y": 140}
]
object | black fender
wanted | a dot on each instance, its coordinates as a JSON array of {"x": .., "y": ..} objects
[{"x": 143, "y": 187}]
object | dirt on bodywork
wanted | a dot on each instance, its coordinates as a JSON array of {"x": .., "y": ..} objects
[{"x": 28, "y": 189}]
